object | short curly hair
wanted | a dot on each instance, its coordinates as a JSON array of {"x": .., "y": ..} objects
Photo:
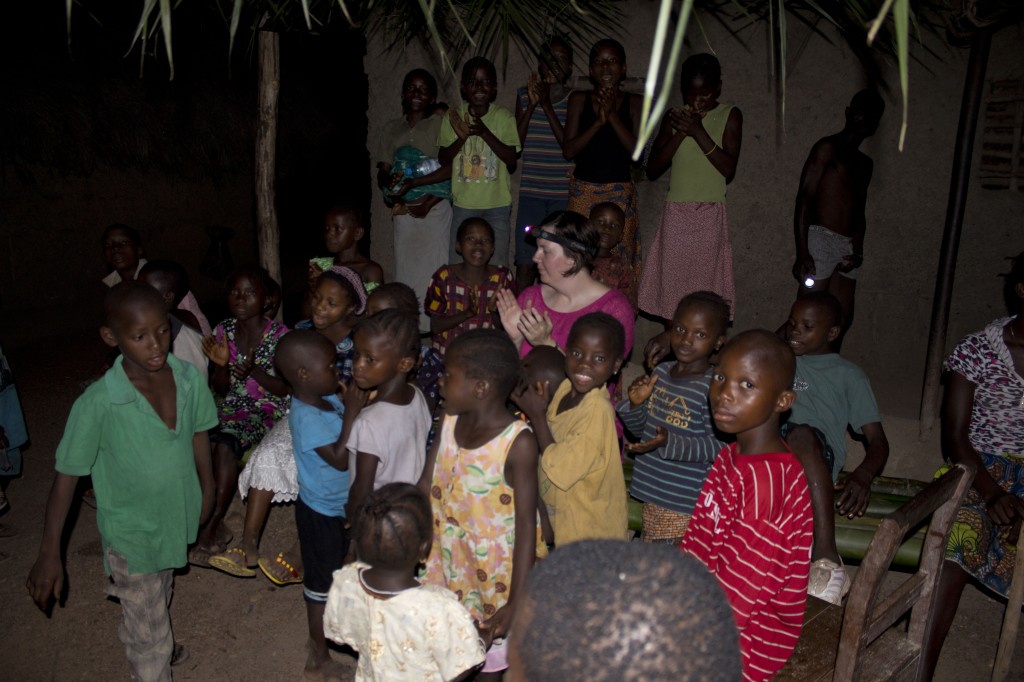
[{"x": 614, "y": 611}]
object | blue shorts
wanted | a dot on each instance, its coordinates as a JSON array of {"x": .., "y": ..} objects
[{"x": 324, "y": 545}]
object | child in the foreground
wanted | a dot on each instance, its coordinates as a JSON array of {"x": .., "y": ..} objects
[
  {"x": 388, "y": 439},
  {"x": 482, "y": 478},
  {"x": 140, "y": 432},
  {"x": 581, "y": 478},
  {"x": 461, "y": 296},
  {"x": 752, "y": 525},
  {"x": 306, "y": 361},
  {"x": 401, "y": 628},
  {"x": 608, "y": 611},
  {"x": 668, "y": 411},
  {"x": 833, "y": 393}
]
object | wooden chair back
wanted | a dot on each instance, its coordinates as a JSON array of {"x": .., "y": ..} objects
[
  {"x": 868, "y": 647},
  {"x": 861, "y": 642}
]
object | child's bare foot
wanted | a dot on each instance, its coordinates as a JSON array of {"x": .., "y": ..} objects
[
  {"x": 201, "y": 552},
  {"x": 323, "y": 669}
]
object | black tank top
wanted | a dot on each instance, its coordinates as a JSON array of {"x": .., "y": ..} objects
[{"x": 604, "y": 159}]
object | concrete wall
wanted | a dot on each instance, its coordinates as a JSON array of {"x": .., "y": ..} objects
[{"x": 906, "y": 205}]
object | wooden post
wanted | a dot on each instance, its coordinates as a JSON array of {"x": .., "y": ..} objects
[
  {"x": 959, "y": 182},
  {"x": 1011, "y": 619},
  {"x": 268, "y": 235}
]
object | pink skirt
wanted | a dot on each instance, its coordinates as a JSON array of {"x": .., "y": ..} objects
[{"x": 691, "y": 252}]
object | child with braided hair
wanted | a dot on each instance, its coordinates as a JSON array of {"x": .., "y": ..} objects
[{"x": 402, "y": 629}]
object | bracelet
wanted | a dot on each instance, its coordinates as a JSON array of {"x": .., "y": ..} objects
[{"x": 713, "y": 148}]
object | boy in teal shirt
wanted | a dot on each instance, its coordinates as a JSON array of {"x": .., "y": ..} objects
[{"x": 141, "y": 433}]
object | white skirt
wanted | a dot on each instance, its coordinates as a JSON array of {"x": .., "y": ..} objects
[{"x": 271, "y": 466}]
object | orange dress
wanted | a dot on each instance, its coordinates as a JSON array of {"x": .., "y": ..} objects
[{"x": 474, "y": 520}]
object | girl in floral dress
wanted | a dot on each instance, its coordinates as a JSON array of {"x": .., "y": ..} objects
[
  {"x": 250, "y": 396},
  {"x": 482, "y": 477}
]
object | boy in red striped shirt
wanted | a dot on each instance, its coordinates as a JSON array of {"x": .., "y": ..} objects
[{"x": 752, "y": 526}]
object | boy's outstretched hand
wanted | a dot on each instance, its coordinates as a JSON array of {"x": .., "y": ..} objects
[
  {"x": 641, "y": 447},
  {"x": 856, "y": 492},
  {"x": 45, "y": 581},
  {"x": 641, "y": 389}
]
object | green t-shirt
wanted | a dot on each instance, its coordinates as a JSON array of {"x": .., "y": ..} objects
[
  {"x": 480, "y": 179},
  {"x": 832, "y": 392},
  {"x": 148, "y": 497}
]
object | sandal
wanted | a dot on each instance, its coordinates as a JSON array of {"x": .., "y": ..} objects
[
  {"x": 233, "y": 562},
  {"x": 267, "y": 567}
]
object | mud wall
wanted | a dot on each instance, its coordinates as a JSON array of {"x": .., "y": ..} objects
[{"x": 906, "y": 205}]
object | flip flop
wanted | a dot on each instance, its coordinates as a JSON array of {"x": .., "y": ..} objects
[
  {"x": 233, "y": 562},
  {"x": 266, "y": 566}
]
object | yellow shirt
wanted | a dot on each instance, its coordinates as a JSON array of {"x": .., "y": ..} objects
[{"x": 581, "y": 479}]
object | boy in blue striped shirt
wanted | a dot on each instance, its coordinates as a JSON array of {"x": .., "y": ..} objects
[{"x": 668, "y": 411}]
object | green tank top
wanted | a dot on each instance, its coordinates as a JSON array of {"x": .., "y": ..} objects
[{"x": 693, "y": 176}]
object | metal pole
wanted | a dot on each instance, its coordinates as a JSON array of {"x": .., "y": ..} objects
[{"x": 958, "y": 184}]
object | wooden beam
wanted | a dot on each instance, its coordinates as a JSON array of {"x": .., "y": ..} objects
[{"x": 267, "y": 233}]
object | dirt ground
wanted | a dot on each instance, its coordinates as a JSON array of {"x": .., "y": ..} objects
[{"x": 234, "y": 628}]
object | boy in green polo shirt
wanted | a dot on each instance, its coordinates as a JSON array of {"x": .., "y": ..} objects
[{"x": 140, "y": 432}]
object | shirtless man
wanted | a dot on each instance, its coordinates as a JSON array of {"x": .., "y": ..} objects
[{"x": 829, "y": 220}]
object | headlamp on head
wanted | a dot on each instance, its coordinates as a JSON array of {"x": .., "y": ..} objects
[{"x": 538, "y": 232}]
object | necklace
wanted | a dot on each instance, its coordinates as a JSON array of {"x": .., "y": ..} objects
[{"x": 376, "y": 593}]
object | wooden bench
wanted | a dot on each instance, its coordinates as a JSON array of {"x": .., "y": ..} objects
[
  {"x": 852, "y": 535},
  {"x": 858, "y": 642}
]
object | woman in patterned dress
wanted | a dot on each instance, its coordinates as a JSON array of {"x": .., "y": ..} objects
[{"x": 983, "y": 422}]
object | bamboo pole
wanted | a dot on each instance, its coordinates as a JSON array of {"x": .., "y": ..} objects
[
  {"x": 268, "y": 235},
  {"x": 970, "y": 103}
]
